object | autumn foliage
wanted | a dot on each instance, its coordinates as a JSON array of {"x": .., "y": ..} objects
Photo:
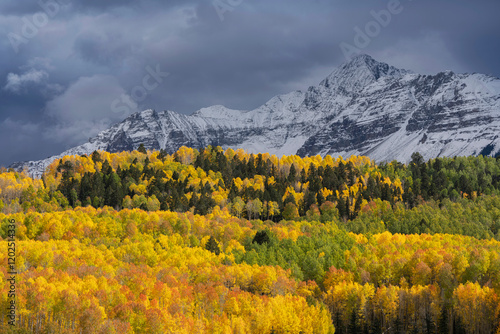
[{"x": 216, "y": 241}]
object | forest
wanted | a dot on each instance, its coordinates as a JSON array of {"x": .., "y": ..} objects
[{"x": 222, "y": 241}]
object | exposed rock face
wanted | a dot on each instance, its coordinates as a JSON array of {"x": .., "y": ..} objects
[{"x": 364, "y": 107}]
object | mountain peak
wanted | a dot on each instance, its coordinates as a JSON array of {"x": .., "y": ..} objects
[
  {"x": 378, "y": 69},
  {"x": 364, "y": 107},
  {"x": 361, "y": 58},
  {"x": 359, "y": 72}
]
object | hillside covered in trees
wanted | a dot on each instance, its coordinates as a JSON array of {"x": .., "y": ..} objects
[{"x": 216, "y": 241}]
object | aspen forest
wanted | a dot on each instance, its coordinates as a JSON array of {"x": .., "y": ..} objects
[{"x": 223, "y": 241}]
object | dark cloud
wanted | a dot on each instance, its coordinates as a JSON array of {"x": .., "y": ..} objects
[
  {"x": 66, "y": 75},
  {"x": 15, "y": 7}
]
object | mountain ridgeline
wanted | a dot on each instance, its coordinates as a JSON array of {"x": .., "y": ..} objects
[{"x": 363, "y": 108}]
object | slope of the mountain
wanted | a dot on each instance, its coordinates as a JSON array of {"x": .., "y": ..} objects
[{"x": 364, "y": 107}]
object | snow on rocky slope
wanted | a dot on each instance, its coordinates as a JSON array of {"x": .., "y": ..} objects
[{"x": 364, "y": 107}]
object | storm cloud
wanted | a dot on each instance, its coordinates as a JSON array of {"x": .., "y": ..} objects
[{"x": 70, "y": 68}]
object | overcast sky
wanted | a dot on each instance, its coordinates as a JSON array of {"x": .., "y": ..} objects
[{"x": 71, "y": 68}]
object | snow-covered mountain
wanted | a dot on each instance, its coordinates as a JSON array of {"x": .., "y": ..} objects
[{"x": 364, "y": 107}]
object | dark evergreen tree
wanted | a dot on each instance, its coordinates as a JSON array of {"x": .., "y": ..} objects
[
  {"x": 303, "y": 176},
  {"x": 464, "y": 184},
  {"x": 106, "y": 168},
  {"x": 251, "y": 171},
  {"x": 142, "y": 149},
  {"x": 86, "y": 187},
  {"x": 194, "y": 200},
  {"x": 289, "y": 199},
  {"x": 212, "y": 246},
  {"x": 162, "y": 155},
  {"x": 96, "y": 157},
  {"x": 98, "y": 189},
  {"x": 114, "y": 192},
  {"x": 341, "y": 173},
  {"x": 292, "y": 174},
  {"x": 73, "y": 197},
  {"x": 260, "y": 167},
  {"x": 426, "y": 188},
  {"x": 309, "y": 199},
  {"x": 341, "y": 206},
  {"x": 321, "y": 199},
  {"x": 357, "y": 205},
  {"x": 261, "y": 237},
  {"x": 330, "y": 180}
]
